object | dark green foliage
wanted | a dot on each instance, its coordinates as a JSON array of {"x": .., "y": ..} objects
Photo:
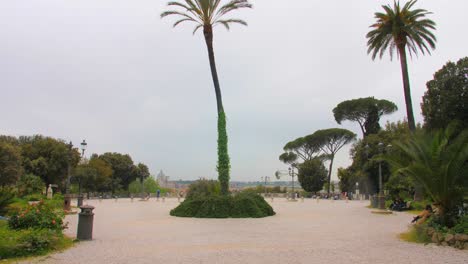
[
  {"x": 331, "y": 141},
  {"x": 27, "y": 242},
  {"x": 203, "y": 188},
  {"x": 446, "y": 98},
  {"x": 288, "y": 157},
  {"x": 10, "y": 164},
  {"x": 312, "y": 175},
  {"x": 123, "y": 170},
  {"x": 305, "y": 148},
  {"x": 30, "y": 184},
  {"x": 241, "y": 205},
  {"x": 6, "y": 198},
  {"x": 214, "y": 207},
  {"x": 365, "y": 166},
  {"x": 365, "y": 111},
  {"x": 223, "y": 156},
  {"x": 439, "y": 162},
  {"x": 400, "y": 185},
  {"x": 48, "y": 158},
  {"x": 461, "y": 226}
]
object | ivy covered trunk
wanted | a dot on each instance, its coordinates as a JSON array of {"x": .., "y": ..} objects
[
  {"x": 223, "y": 155},
  {"x": 223, "y": 166}
]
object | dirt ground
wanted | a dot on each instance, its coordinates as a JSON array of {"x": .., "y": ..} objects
[{"x": 300, "y": 232}]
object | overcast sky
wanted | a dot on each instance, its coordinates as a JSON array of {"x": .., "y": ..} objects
[{"x": 113, "y": 73}]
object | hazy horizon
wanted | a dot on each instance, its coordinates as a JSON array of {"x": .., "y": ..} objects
[{"x": 112, "y": 72}]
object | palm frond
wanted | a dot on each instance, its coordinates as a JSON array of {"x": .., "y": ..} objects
[
  {"x": 206, "y": 12},
  {"x": 401, "y": 26}
]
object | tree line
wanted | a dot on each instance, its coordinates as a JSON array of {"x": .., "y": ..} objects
[{"x": 40, "y": 160}]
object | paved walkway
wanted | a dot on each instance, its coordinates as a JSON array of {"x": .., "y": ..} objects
[{"x": 309, "y": 232}]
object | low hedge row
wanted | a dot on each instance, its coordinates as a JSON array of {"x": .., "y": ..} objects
[{"x": 241, "y": 205}]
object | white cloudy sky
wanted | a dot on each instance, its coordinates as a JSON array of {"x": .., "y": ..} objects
[{"x": 113, "y": 73}]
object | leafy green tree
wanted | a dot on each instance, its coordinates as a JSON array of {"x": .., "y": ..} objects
[
  {"x": 288, "y": 157},
  {"x": 141, "y": 171},
  {"x": 312, "y": 175},
  {"x": 149, "y": 186},
  {"x": 365, "y": 111},
  {"x": 347, "y": 179},
  {"x": 402, "y": 28},
  {"x": 365, "y": 153},
  {"x": 48, "y": 158},
  {"x": 206, "y": 14},
  {"x": 331, "y": 141},
  {"x": 103, "y": 177},
  {"x": 305, "y": 148},
  {"x": 439, "y": 162},
  {"x": 29, "y": 184},
  {"x": 10, "y": 164},
  {"x": 122, "y": 167},
  {"x": 446, "y": 98}
]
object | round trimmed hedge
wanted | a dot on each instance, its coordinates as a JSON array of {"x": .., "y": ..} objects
[{"x": 240, "y": 205}]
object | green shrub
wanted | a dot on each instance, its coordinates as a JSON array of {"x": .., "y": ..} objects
[
  {"x": 40, "y": 215},
  {"x": 203, "y": 188},
  {"x": 6, "y": 198},
  {"x": 241, "y": 205},
  {"x": 30, "y": 184},
  {"x": 461, "y": 227},
  {"x": 216, "y": 206},
  {"x": 26, "y": 242}
]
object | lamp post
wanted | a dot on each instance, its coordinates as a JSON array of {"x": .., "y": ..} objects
[
  {"x": 266, "y": 179},
  {"x": 381, "y": 192},
  {"x": 83, "y": 146},
  {"x": 291, "y": 173},
  {"x": 357, "y": 190},
  {"x": 67, "y": 198}
]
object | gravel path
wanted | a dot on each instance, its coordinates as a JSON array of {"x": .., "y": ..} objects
[{"x": 301, "y": 232}]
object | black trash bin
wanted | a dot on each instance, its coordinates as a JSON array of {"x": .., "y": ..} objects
[{"x": 85, "y": 223}]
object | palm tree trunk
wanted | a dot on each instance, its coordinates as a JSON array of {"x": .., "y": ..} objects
[
  {"x": 330, "y": 167},
  {"x": 409, "y": 107},
  {"x": 406, "y": 88},
  {"x": 223, "y": 155},
  {"x": 208, "y": 32}
]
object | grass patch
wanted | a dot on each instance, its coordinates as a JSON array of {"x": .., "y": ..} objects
[
  {"x": 18, "y": 244},
  {"x": 416, "y": 234}
]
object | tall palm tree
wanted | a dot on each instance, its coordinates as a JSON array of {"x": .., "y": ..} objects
[
  {"x": 206, "y": 14},
  {"x": 401, "y": 28}
]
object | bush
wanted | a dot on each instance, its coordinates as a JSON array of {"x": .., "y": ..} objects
[
  {"x": 241, "y": 205},
  {"x": 30, "y": 184},
  {"x": 40, "y": 215},
  {"x": 461, "y": 227},
  {"x": 203, "y": 188},
  {"x": 6, "y": 198},
  {"x": 26, "y": 242}
]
